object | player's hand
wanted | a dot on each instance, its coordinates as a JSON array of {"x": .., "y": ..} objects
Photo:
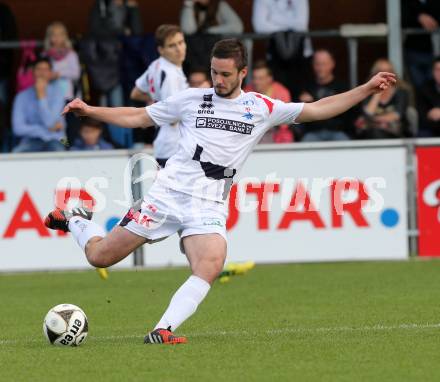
[
  {"x": 381, "y": 81},
  {"x": 78, "y": 107}
]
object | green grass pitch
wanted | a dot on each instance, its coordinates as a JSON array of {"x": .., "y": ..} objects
[{"x": 377, "y": 321}]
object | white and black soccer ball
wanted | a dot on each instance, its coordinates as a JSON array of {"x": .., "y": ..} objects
[{"x": 66, "y": 325}]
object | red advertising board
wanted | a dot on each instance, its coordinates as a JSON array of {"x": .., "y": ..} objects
[{"x": 428, "y": 200}]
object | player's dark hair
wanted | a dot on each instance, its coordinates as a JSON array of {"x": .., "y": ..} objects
[
  {"x": 231, "y": 48},
  {"x": 165, "y": 31},
  {"x": 261, "y": 64},
  {"x": 90, "y": 122}
]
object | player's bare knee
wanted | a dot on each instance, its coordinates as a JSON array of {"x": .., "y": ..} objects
[
  {"x": 209, "y": 267},
  {"x": 98, "y": 254}
]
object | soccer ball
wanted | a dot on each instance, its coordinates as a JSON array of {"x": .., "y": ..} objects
[{"x": 66, "y": 325}]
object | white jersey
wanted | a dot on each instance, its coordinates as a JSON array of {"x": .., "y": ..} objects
[
  {"x": 218, "y": 135},
  {"x": 161, "y": 80}
]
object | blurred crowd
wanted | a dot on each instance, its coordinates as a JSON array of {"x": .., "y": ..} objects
[{"x": 116, "y": 63}]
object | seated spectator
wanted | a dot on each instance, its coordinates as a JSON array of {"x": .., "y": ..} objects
[
  {"x": 209, "y": 16},
  {"x": 90, "y": 137},
  {"x": 65, "y": 63},
  {"x": 263, "y": 82},
  {"x": 323, "y": 85},
  {"x": 199, "y": 78},
  {"x": 384, "y": 113},
  {"x": 203, "y": 21},
  {"x": 429, "y": 104},
  {"x": 36, "y": 114},
  {"x": 287, "y": 49},
  {"x": 418, "y": 48}
]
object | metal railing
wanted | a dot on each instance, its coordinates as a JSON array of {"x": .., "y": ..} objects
[{"x": 352, "y": 42}]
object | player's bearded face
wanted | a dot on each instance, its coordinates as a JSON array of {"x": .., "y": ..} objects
[{"x": 226, "y": 78}]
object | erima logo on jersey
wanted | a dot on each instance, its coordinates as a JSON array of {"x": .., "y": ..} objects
[
  {"x": 224, "y": 124},
  {"x": 206, "y": 105}
]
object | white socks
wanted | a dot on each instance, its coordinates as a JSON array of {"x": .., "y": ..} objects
[
  {"x": 83, "y": 230},
  {"x": 184, "y": 302}
]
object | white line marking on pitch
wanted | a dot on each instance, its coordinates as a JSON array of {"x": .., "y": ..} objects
[{"x": 378, "y": 327}]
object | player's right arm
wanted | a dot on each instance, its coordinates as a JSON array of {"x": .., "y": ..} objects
[{"x": 129, "y": 117}]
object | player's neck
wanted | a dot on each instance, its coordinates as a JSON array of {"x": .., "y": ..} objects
[
  {"x": 236, "y": 93},
  {"x": 178, "y": 64}
]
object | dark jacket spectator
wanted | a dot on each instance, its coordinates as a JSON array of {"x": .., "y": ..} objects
[
  {"x": 418, "y": 48},
  {"x": 8, "y": 32},
  {"x": 429, "y": 104},
  {"x": 109, "y": 20},
  {"x": 324, "y": 85},
  {"x": 203, "y": 21},
  {"x": 113, "y": 18},
  {"x": 209, "y": 16},
  {"x": 384, "y": 113},
  {"x": 287, "y": 50}
]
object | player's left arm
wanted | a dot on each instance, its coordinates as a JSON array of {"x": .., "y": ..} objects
[{"x": 332, "y": 106}]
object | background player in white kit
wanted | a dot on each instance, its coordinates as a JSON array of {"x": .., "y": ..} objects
[
  {"x": 163, "y": 78},
  {"x": 219, "y": 128}
]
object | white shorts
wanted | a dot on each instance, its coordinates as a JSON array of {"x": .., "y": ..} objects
[{"x": 164, "y": 211}]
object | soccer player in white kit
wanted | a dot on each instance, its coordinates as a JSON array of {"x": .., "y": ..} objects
[
  {"x": 219, "y": 127},
  {"x": 163, "y": 78}
]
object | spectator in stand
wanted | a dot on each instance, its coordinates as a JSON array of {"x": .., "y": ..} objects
[
  {"x": 91, "y": 137},
  {"x": 65, "y": 63},
  {"x": 429, "y": 104},
  {"x": 384, "y": 113},
  {"x": 199, "y": 78},
  {"x": 203, "y": 21},
  {"x": 323, "y": 85},
  {"x": 286, "y": 50},
  {"x": 209, "y": 16},
  {"x": 114, "y": 18},
  {"x": 65, "y": 67},
  {"x": 419, "y": 48},
  {"x": 263, "y": 83},
  {"x": 36, "y": 115},
  {"x": 8, "y": 32},
  {"x": 109, "y": 20}
]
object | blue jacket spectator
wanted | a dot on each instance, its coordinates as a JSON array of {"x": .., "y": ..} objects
[{"x": 36, "y": 115}]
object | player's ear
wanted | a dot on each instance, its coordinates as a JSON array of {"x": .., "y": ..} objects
[{"x": 243, "y": 73}]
